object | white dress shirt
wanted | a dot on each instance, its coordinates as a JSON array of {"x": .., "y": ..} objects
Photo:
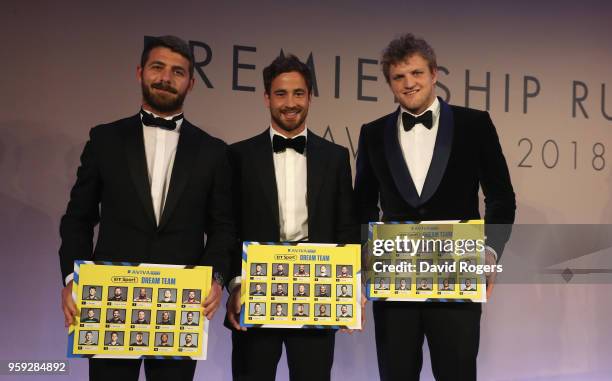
[
  {"x": 160, "y": 150},
  {"x": 418, "y": 144},
  {"x": 291, "y": 174}
]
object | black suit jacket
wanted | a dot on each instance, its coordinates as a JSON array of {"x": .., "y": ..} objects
[
  {"x": 331, "y": 216},
  {"x": 467, "y": 154},
  {"x": 112, "y": 189}
]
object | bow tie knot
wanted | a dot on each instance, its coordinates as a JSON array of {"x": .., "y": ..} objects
[
  {"x": 280, "y": 144},
  {"x": 154, "y": 121},
  {"x": 409, "y": 121}
]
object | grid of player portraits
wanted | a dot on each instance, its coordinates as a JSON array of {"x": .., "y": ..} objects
[
  {"x": 139, "y": 319},
  {"x": 300, "y": 292},
  {"x": 428, "y": 283}
]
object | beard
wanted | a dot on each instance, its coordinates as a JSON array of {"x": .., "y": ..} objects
[
  {"x": 289, "y": 125},
  {"x": 163, "y": 103}
]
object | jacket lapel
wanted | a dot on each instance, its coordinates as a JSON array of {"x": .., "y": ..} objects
[
  {"x": 263, "y": 157},
  {"x": 186, "y": 152},
  {"x": 137, "y": 163},
  {"x": 397, "y": 163},
  {"x": 442, "y": 151},
  {"x": 316, "y": 159}
]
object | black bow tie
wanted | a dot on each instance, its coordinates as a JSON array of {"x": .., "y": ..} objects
[
  {"x": 153, "y": 121},
  {"x": 409, "y": 121},
  {"x": 280, "y": 144}
]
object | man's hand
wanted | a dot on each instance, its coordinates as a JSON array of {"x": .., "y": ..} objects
[
  {"x": 233, "y": 309},
  {"x": 364, "y": 301},
  {"x": 490, "y": 285},
  {"x": 68, "y": 306},
  {"x": 211, "y": 304},
  {"x": 491, "y": 261}
]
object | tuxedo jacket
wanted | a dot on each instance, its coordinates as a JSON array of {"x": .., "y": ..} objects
[
  {"x": 329, "y": 193},
  {"x": 467, "y": 155},
  {"x": 112, "y": 189}
]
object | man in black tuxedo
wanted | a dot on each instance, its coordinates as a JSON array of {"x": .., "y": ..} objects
[
  {"x": 156, "y": 185},
  {"x": 291, "y": 185},
  {"x": 426, "y": 161}
]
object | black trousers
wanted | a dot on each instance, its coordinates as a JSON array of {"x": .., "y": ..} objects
[
  {"x": 452, "y": 331},
  {"x": 256, "y": 352},
  {"x": 128, "y": 369}
]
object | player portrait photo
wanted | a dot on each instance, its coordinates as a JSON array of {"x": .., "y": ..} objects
[
  {"x": 301, "y": 270},
  {"x": 279, "y": 309},
  {"x": 402, "y": 284},
  {"x": 188, "y": 340},
  {"x": 323, "y": 271},
  {"x": 258, "y": 269},
  {"x": 301, "y": 290},
  {"x": 279, "y": 289},
  {"x": 139, "y": 339},
  {"x": 381, "y": 284},
  {"x": 165, "y": 317},
  {"x": 113, "y": 338},
  {"x": 164, "y": 339},
  {"x": 117, "y": 294},
  {"x": 344, "y": 290},
  {"x": 323, "y": 290},
  {"x": 191, "y": 296},
  {"x": 143, "y": 294},
  {"x": 166, "y": 295},
  {"x": 115, "y": 316},
  {"x": 257, "y": 289},
  {"x": 280, "y": 269},
  {"x": 90, "y": 315},
  {"x": 141, "y": 316},
  {"x": 92, "y": 292},
  {"x": 423, "y": 265},
  {"x": 322, "y": 310},
  {"x": 344, "y": 271},
  {"x": 447, "y": 265},
  {"x": 446, "y": 284},
  {"x": 300, "y": 309},
  {"x": 190, "y": 318},
  {"x": 257, "y": 309},
  {"x": 344, "y": 310},
  {"x": 88, "y": 337},
  {"x": 424, "y": 284},
  {"x": 469, "y": 284},
  {"x": 465, "y": 263}
]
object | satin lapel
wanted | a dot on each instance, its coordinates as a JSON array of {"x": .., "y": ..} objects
[
  {"x": 315, "y": 172},
  {"x": 264, "y": 163},
  {"x": 397, "y": 164},
  {"x": 442, "y": 151},
  {"x": 137, "y": 163},
  {"x": 184, "y": 160}
]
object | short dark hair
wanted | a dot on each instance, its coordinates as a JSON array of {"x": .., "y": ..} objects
[
  {"x": 173, "y": 43},
  {"x": 403, "y": 47},
  {"x": 286, "y": 64}
]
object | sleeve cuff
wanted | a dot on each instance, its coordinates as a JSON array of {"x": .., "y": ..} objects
[
  {"x": 237, "y": 281},
  {"x": 68, "y": 279}
]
